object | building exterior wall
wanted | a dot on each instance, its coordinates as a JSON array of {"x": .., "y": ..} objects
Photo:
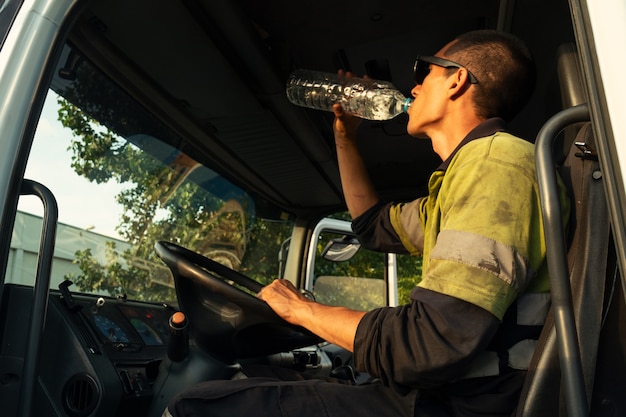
[{"x": 22, "y": 264}]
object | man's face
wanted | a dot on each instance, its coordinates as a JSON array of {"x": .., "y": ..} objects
[{"x": 429, "y": 107}]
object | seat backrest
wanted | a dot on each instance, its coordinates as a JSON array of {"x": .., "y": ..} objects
[
  {"x": 589, "y": 248},
  {"x": 588, "y": 236}
]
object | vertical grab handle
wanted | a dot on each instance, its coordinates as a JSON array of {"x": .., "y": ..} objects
[
  {"x": 567, "y": 338},
  {"x": 40, "y": 293}
]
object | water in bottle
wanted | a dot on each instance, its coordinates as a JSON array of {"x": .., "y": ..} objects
[{"x": 366, "y": 98}]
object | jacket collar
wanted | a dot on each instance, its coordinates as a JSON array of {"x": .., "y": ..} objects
[{"x": 486, "y": 128}]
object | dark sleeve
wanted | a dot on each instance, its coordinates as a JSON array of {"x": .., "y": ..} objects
[
  {"x": 374, "y": 231},
  {"x": 422, "y": 344}
]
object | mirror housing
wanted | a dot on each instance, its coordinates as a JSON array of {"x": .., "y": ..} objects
[{"x": 341, "y": 249}]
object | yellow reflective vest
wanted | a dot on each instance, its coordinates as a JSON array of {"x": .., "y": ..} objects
[{"x": 480, "y": 229}]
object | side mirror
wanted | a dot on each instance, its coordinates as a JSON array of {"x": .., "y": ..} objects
[{"x": 341, "y": 249}]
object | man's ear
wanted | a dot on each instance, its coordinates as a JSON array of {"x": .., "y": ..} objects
[{"x": 458, "y": 83}]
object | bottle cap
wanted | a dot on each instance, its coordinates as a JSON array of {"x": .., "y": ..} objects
[{"x": 407, "y": 104}]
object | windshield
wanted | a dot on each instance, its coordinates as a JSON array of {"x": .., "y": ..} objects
[{"x": 123, "y": 181}]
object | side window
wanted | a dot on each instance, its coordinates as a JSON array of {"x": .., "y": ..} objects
[
  {"x": 343, "y": 273},
  {"x": 88, "y": 213},
  {"x": 346, "y": 274},
  {"x": 409, "y": 273}
]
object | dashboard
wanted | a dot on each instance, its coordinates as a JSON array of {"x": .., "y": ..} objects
[
  {"x": 99, "y": 356},
  {"x": 108, "y": 357},
  {"x": 127, "y": 326}
]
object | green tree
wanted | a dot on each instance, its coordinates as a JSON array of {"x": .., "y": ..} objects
[
  {"x": 409, "y": 274},
  {"x": 159, "y": 204}
]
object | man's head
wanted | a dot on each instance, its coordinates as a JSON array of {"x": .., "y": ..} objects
[
  {"x": 503, "y": 66},
  {"x": 480, "y": 74}
]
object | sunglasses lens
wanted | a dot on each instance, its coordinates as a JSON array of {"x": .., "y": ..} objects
[{"x": 421, "y": 70}]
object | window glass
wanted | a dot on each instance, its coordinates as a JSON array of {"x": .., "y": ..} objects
[
  {"x": 358, "y": 282},
  {"x": 409, "y": 274},
  {"x": 123, "y": 182}
]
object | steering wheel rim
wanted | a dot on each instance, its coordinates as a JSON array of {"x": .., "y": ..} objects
[{"x": 226, "y": 321}]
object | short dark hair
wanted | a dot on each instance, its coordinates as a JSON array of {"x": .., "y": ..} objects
[{"x": 504, "y": 67}]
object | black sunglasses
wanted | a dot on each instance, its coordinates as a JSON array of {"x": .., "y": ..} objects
[{"x": 422, "y": 67}]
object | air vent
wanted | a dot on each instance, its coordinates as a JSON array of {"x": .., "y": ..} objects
[{"x": 80, "y": 395}]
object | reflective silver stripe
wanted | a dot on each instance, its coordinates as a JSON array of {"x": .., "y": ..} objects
[
  {"x": 488, "y": 363},
  {"x": 166, "y": 413},
  {"x": 405, "y": 219},
  {"x": 532, "y": 310},
  {"x": 521, "y": 353},
  {"x": 483, "y": 253}
]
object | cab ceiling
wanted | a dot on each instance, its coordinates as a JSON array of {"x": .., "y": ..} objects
[{"x": 216, "y": 72}]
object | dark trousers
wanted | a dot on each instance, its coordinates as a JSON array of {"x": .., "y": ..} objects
[{"x": 281, "y": 393}]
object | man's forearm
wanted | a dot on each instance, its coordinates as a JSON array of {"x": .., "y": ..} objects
[
  {"x": 336, "y": 325},
  {"x": 358, "y": 190}
]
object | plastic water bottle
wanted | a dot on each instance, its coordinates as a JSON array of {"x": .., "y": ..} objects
[{"x": 366, "y": 98}]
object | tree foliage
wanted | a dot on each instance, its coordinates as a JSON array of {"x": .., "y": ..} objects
[{"x": 158, "y": 204}]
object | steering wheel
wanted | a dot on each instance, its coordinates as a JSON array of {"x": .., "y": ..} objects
[{"x": 226, "y": 321}]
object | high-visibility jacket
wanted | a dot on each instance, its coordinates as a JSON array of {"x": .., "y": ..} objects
[
  {"x": 480, "y": 230},
  {"x": 480, "y": 233}
]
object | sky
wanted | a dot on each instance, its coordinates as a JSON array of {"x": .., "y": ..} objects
[{"x": 49, "y": 164}]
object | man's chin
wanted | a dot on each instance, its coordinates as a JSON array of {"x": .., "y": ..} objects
[
  {"x": 419, "y": 135},
  {"x": 416, "y": 133}
]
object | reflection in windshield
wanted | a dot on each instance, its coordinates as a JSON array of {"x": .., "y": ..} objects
[{"x": 158, "y": 192}]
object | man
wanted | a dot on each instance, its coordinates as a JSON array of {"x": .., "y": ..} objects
[{"x": 462, "y": 344}]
